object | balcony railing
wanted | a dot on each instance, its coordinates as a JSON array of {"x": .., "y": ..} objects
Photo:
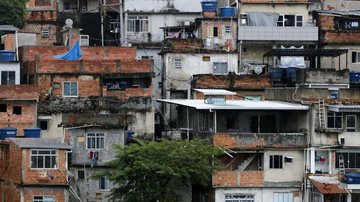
[
  {"x": 260, "y": 140},
  {"x": 262, "y": 33},
  {"x": 237, "y": 178}
]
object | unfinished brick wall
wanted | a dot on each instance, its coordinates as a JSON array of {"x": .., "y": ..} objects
[
  {"x": 9, "y": 193},
  {"x": 58, "y": 193},
  {"x": 251, "y": 178},
  {"x": 128, "y": 93},
  {"x": 226, "y": 178},
  {"x": 40, "y": 176},
  {"x": 41, "y": 16},
  {"x": 37, "y": 28},
  {"x": 9, "y": 42},
  {"x": 325, "y": 22},
  {"x": 89, "y": 53},
  {"x": 10, "y": 167},
  {"x": 225, "y": 140}
]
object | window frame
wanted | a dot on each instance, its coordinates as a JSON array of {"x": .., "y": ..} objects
[
  {"x": 177, "y": 63},
  {"x": 45, "y": 32},
  {"x": 353, "y": 129},
  {"x": 106, "y": 184},
  {"x": 220, "y": 73},
  {"x": 227, "y": 29},
  {"x": 272, "y": 161},
  {"x": 295, "y": 20},
  {"x": 290, "y": 196},
  {"x": 357, "y": 57},
  {"x": 43, "y": 198},
  {"x": 334, "y": 115},
  {"x": 347, "y": 159},
  {"x": 96, "y": 134},
  {"x": 56, "y": 166},
  {"x": 8, "y": 77},
  {"x": 71, "y": 83},
  {"x": 44, "y": 121},
  {"x": 143, "y": 23}
]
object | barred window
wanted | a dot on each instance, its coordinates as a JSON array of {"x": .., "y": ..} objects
[
  {"x": 138, "y": 24},
  {"x": 42, "y": 158},
  {"x": 95, "y": 141},
  {"x": 42, "y": 3}
]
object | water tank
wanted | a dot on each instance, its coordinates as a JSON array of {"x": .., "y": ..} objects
[
  {"x": 209, "y": 6},
  {"x": 7, "y": 133},
  {"x": 227, "y": 12},
  {"x": 32, "y": 132},
  {"x": 7, "y": 56},
  {"x": 352, "y": 178},
  {"x": 355, "y": 77},
  {"x": 276, "y": 74}
]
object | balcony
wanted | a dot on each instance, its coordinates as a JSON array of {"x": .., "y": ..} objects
[
  {"x": 260, "y": 140},
  {"x": 238, "y": 178},
  {"x": 262, "y": 33}
]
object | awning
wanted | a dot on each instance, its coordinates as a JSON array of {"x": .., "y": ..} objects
[
  {"x": 237, "y": 105},
  {"x": 215, "y": 92},
  {"x": 344, "y": 108},
  {"x": 306, "y": 52},
  {"x": 328, "y": 185}
]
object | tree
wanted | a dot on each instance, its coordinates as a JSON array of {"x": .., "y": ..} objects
[
  {"x": 155, "y": 170},
  {"x": 12, "y": 12}
]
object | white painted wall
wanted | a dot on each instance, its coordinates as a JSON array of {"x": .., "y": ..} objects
[
  {"x": 53, "y": 130},
  {"x": 290, "y": 172},
  {"x": 156, "y": 20},
  {"x": 11, "y": 66},
  {"x": 158, "y": 5},
  {"x": 260, "y": 194},
  {"x": 328, "y": 63},
  {"x": 193, "y": 64},
  {"x": 143, "y": 124}
]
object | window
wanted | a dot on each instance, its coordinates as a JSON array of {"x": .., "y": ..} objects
[
  {"x": 70, "y": 89},
  {"x": 355, "y": 56},
  {"x": 239, "y": 198},
  {"x": 290, "y": 21},
  {"x": 206, "y": 58},
  {"x": 66, "y": 6},
  {"x": 42, "y": 158},
  {"x": 42, "y": 3},
  {"x": 351, "y": 159},
  {"x": 334, "y": 120},
  {"x": 243, "y": 19},
  {"x": 81, "y": 174},
  {"x": 177, "y": 63},
  {"x": 220, "y": 68},
  {"x": 3, "y": 108},
  {"x": 17, "y": 110},
  {"x": 114, "y": 26},
  {"x": 213, "y": 32},
  {"x": 276, "y": 161},
  {"x": 283, "y": 197},
  {"x": 44, "y": 124},
  {"x": 138, "y": 24},
  {"x": 95, "y": 141},
  {"x": 45, "y": 33},
  {"x": 350, "y": 123},
  {"x": 7, "y": 77},
  {"x": 104, "y": 183},
  {"x": 227, "y": 29},
  {"x": 44, "y": 199}
]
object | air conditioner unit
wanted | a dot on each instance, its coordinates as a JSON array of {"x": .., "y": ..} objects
[{"x": 84, "y": 40}]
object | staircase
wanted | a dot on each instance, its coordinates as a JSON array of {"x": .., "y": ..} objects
[
  {"x": 246, "y": 163},
  {"x": 321, "y": 114}
]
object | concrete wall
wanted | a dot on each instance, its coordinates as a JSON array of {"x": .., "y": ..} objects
[
  {"x": 80, "y": 154},
  {"x": 163, "y": 5},
  {"x": 254, "y": 53},
  {"x": 11, "y": 66},
  {"x": 260, "y": 194},
  {"x": 53, "y": 121},
  {"x": 328, "y": 62},
  {"x": 291, "y": 172},
  {"x": 193, "y": 64},
  {"x": 89, "y": 188},
  {"x": 143, "y": 124},
  {"x": 155, "y": 34}
]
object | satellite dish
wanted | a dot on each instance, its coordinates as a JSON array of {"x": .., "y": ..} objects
[
  {"x": 258, "y": 70},
  {"x": 69, "y": 23}
]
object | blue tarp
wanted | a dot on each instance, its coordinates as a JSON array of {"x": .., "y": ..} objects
[{"x": 73, "y": 54}]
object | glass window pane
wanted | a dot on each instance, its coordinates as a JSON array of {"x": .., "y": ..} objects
[
  {"x": 47, "y": 162},
  {"x": 73, "y": 88},
  {"x": 53, "y": 161},
  {"x": 66, "y": 89},
  {"x": 352, "y": 160},
  {"x": 40, "y": 162},
  {"x": 34, "y": 162}
]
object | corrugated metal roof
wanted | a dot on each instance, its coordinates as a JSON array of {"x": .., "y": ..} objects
[
  {"x": 328, "y": 185},
  {"x": 215, "y": 92},
  {"x": 40, "y": 143},
  {"x": 340, "y": 12},
  {"x": 344, "y": 108},
  {"x": 8, "y": 28},
  {"x": 238, "y": 105}
]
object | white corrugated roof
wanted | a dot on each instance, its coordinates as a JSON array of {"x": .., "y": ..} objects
[
  {"x": 238, "y": 105},
  {"x": 215, "y": 92},
  {"x": 344, "y": 108}
]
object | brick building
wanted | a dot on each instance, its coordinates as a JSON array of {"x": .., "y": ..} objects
[{"x": 33, "y": 169}]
